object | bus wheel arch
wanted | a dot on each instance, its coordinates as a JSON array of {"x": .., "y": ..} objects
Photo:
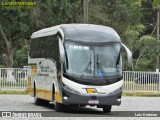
[
  {"x": 37, "y": 101},
  {"x": 34, "y": 89},
  {"x": 57, "y": 106},
  {"x": 53, "y": 92}
]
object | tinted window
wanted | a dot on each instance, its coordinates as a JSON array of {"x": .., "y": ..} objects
[{"x": 44, "y": 47}]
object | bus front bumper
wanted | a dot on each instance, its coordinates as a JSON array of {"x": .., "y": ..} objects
[{"x": 99, "y": 100}]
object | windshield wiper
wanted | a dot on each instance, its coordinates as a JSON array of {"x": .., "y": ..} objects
[
  {"x": 99, "y": 66},
  {"x": 86, "y": 68}
]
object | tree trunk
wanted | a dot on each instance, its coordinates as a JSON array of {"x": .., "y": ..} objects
[
  {"x": 9, "y": 60},
  {"x": 140, "y": 55},
  {"x": 10, "y": 50}
]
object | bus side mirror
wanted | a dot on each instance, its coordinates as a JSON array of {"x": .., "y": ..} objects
[
  {"x": 129, "y": 55},
  {"x": 61, "y": 51}
]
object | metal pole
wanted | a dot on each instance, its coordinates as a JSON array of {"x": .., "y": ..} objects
[
  {"x": 157, "y": 69},
  {"x": 158, "y": 12},
  {"x": 158, "y": 84},
  {"x": 85, "y": 14}
]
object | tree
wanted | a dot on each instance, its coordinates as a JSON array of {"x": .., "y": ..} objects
[
  {"x": 156, "y": 3},
  {"x": 15, "y": 28},
  {"x": 119, "y": 14},
  {"x": 148, "y": 16},
  {"x": 21, "y": 56},
  {"x": 147, "y": 53},
  {"x": 130, "y": 18},
  {"x": 17, "y": 24},
  {"x": 54, "y": 12}
]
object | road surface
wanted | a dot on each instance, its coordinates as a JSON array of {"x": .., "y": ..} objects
[{"x": 135, "y": 106}]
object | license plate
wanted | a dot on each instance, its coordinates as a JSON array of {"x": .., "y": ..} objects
[{"x": 93, "y": 101}]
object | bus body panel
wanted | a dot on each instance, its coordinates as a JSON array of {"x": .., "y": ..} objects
[
  {"x": 100, "y": 90},
  {"x": 30, "y": 87},
  {"x": 99, "y": 100},
  {"x": 78, "y": 94},
  {"x": 44, "y": 79}
]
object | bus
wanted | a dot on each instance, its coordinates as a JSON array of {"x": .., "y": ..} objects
[{"x": 76, "y": 65}]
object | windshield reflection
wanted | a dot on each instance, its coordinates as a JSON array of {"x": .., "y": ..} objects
[{"x": 81, "y": 60}]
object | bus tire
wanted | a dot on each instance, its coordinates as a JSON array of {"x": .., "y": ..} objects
[
  {"x": 37, "y": 101},
  {"x": 107, "y": 109},
  {"x": 59, "y": 107}
]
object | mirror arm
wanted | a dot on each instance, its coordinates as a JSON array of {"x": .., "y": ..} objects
[
  {"x": 61, "y": 51},
  {"x": 129, "y": 54}
]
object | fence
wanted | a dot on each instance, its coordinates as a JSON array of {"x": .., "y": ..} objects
[
  {"x": 13, "y": 79},
  {"x": 134, "y": 81}
]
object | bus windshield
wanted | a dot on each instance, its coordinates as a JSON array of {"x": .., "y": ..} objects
[{"x": 89, "y": 61}]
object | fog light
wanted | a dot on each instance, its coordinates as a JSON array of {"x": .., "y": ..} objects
[
  {"x": 65, "y": 97},
  {"x": 118, "y": 99}
]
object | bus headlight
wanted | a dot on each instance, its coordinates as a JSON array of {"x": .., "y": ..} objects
[
  {"x": 65, "y": 97},
  {"x": 69, "y": 89}
]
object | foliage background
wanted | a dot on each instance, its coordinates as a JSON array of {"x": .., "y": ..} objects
[{"x": 134, "y": 20}]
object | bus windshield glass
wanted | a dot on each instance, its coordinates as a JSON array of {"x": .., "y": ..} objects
[{"x": 89, "y": 61}]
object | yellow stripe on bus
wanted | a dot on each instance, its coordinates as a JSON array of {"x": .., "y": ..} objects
[
  {"x": 44, "y": 94},
  {"x": 58, "y": 97},
  {"x": 49, "y": 95},
  {"x": 34, "y": 69}
]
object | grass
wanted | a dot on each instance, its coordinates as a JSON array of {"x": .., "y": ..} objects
[
  {"x": 142, "y": 94},
  {"x": 13, "y": 92}
]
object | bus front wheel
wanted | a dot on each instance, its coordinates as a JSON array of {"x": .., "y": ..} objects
[
  {"x": 107, "y": 109},
  {"x": 58, "y": 106}
]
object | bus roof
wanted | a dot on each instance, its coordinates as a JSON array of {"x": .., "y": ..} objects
[
  {"x": 46, "y": 32},
  {"x": 80, "y": 32}
]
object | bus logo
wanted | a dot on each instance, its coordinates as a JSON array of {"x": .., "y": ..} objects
[{"x": 91, "y": 90}]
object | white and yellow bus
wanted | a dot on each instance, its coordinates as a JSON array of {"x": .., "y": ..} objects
[{"x": 76, "y": 64}]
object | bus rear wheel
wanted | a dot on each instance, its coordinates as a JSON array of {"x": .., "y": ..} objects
[
  {"x": 38, "y": 101},
  {"x": 107, "y": 109}
]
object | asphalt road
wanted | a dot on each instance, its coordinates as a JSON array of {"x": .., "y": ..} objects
[{"x": 130, "y": 106}]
